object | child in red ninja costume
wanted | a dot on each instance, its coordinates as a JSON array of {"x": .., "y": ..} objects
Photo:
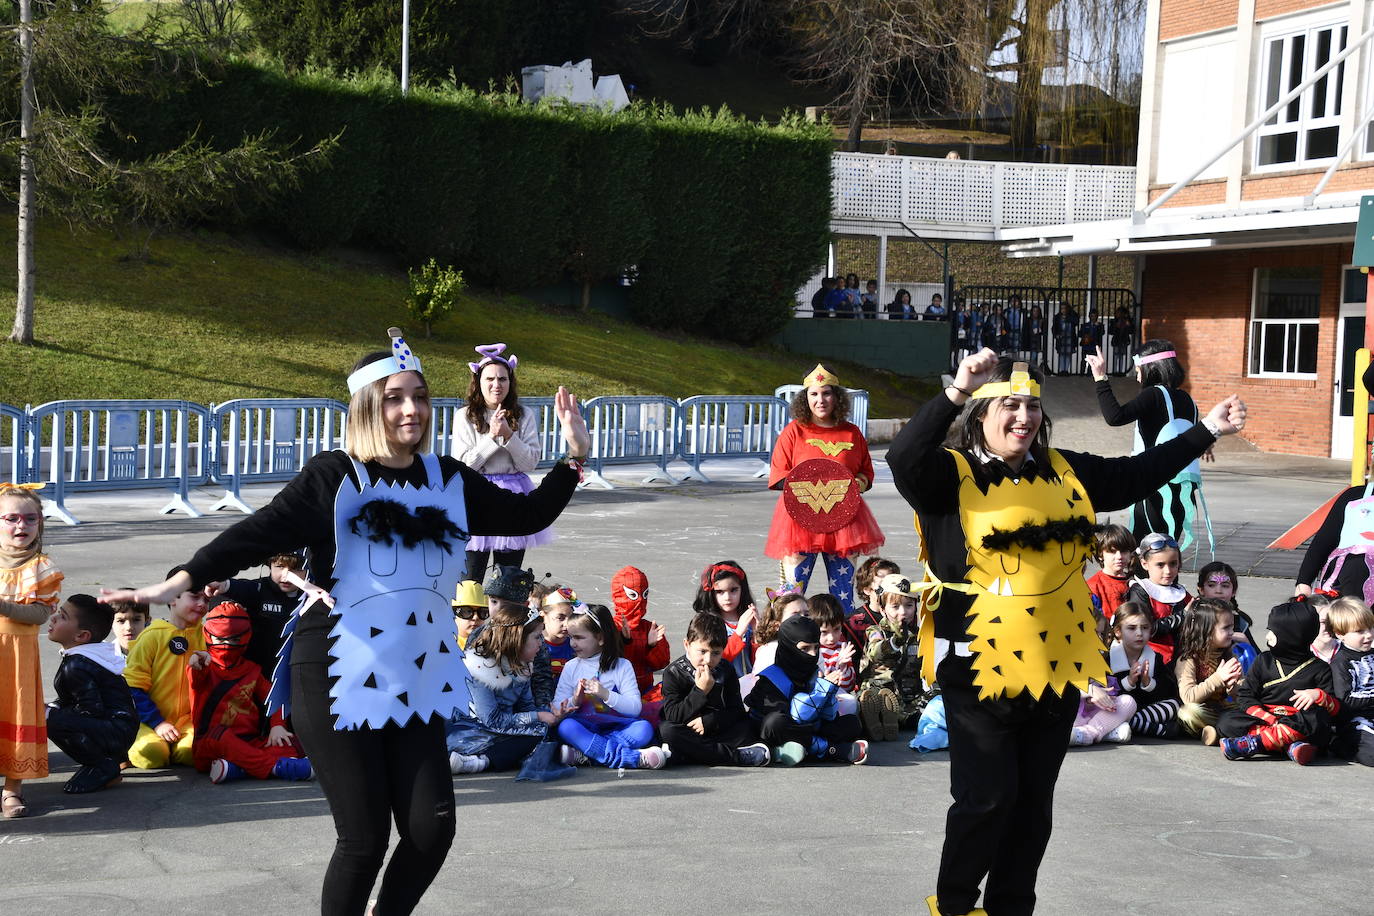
[
  {"x": 227, "y": 695},
  {"x": 645, "y": 642}
]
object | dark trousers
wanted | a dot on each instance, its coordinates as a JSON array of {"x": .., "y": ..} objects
[
  {"x": 370, "y": 776},
  {"x": 779, "y": 728},
  {"x": 1004, "y": 758},
  {"x": 478, "y": 560},
  {"x": 709, "y": 750},
  {"x": 508, "y": 751},
  {"x": 90, "y": 741}
]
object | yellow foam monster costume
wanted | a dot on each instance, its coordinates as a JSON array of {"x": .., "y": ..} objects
[{"x": 1031, "y": 624}]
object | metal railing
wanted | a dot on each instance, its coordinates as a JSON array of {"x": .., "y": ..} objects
[
  {"x": 14, "y": 424},
  {"x": 1047, "y": 326},
  {"x": 261, "y": 440},
  {"x": 858, "y": 403},
  {"x": 730, "y": 426}
]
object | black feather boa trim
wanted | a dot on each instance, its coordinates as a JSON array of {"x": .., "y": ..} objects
[
  {"x": 1031, "y": 536},
  {"x": 385, "y": 519}
]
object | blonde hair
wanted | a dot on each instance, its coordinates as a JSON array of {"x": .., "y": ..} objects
[
  {"x": 365, "y": 436},
  {"x": 9, "y": 489},
  {"x": 1347, "y": 614}
]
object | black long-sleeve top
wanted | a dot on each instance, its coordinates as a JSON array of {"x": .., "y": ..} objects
[
  {"x": 927, "y": 477},
  {"x": 1352, "y": 681},
  {"x": 1354, "y": 571},
  {"x": 303, "y": 514},
  {"x": 1146, "y": 409},
  {"x": 719, "y": 708},
  {"x": 90, "y": 689}
]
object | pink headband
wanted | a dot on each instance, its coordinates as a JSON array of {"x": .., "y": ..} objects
[
  {"x": 1154, "y": 357},
  {"x": 491, "y": 353}
]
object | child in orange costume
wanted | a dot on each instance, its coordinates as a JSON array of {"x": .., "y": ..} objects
[{"x": 227, "y": 695}]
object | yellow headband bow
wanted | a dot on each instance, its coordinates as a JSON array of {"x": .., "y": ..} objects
[
  {"x": 1020, "y": 383},
  {"x": 820, "y": 376},
  {"x": 22, "y": 486}
]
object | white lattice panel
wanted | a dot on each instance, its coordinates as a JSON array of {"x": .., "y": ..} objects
[{"x": 956, "y": 192}]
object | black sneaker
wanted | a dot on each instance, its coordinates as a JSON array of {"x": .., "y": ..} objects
[{"x": 753, "y": 755}]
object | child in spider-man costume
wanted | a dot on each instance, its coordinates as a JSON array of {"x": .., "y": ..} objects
[
  {"x": 645, "y": 642},
  {"x": 227, "y": 695}
]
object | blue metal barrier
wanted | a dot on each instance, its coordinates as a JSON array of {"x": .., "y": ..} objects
[
  {"x": 858, "y": 403},
  {"x": 86, "y": 446},
  {"x": 729, "y": 426},
  {"x": 447, "y": 415},
  {"x": 14, "y": 425},
  {"x": 262, "y": 440},
  {"x": 632, "y": 429}
]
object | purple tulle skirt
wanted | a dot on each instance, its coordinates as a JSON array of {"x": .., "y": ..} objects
[{"x": 516, "y": 483}]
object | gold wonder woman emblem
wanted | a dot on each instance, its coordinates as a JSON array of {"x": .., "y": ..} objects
[
  {"x": 820, "y": 496},
  {"x": 830, "y": 448}
]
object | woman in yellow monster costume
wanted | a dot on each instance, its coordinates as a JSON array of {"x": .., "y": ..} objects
[{"x": 1006, "y": 525}]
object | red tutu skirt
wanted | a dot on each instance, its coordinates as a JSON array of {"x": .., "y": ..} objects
[{"x": 862, "y": 535}]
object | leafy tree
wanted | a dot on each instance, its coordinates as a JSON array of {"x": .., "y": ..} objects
[
  {"x": 70, "y": 68},
  {"x": 433, "y": 292}
]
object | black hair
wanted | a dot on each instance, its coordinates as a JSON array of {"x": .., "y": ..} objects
[
  {"x": 705, "y": 600},
  {"x": 968, "y": 433},
  {"x": 708, "y": 628},
  {"x": 897, "y": 297},
  {"x": 826, "y": 610},
  {"x": 93, "y": 616},
  {"x": 1167, "y": 372},
  {"x": 1214, "y": 567},
  {"x": 601, "y": 622}
]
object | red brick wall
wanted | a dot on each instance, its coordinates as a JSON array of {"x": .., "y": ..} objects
[
  {"x": 1190, "y": 17},
  {"x": 1201, "y": 301},
  {"x": 1267, "y": 8}
]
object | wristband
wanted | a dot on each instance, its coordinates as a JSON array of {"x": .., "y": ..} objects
[
  {"x": 576, "y": 463},
  {"x": 964, "y": 391},
  {"x": 1212, "y": 427}
]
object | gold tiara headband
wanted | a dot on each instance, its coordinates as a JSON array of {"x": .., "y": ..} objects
[{"x": 1019, "y": 383}]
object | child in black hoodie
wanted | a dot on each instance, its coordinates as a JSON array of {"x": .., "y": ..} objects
[
  {"x": 1352, "y": 674},
  {"x": 1286, "y": 702},
  {"x": 796, "y": 708}
]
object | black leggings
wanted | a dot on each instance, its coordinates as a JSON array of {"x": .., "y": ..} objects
[
  {"x": 369, "y": 776},
  {"x": 478, "y": 559}
]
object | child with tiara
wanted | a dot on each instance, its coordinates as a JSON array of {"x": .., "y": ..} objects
[
  {"x": 725, "y": 592},
  {"x": 557, "y": 604},
  {"x": 598, "y": 693},
  {"x": 820, "y": 430},
  {"x": 29, "y": 588}
]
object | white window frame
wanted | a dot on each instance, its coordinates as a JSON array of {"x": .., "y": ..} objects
[
  {"x": 1304, "y": 121},
  {"x": 1255, "y": 342}
]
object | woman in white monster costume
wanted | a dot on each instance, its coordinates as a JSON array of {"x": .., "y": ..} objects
[{"x": 371, "y": 669}]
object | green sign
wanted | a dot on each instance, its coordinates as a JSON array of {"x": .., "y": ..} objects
[{"x": 1364, "y": 233}]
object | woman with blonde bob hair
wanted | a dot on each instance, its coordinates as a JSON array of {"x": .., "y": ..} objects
[{"x": 370, "y": 671}]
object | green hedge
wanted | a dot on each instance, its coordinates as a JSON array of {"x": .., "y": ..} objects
[{"x": 723, "y": 219}]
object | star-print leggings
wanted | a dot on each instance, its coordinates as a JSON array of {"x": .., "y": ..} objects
[
  {"x": 369, "y": 776},
  {"x": 839, "y": 570}
]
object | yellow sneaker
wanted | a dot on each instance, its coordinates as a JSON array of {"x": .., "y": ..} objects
[{"x": 935, "y": 909}]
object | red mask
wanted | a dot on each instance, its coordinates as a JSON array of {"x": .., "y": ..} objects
[
  {"x": 630, "y": 595},
  {"x": 227, "y": 621}
]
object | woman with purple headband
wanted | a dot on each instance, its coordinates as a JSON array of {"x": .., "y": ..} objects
[
  {"x": 1160, "y": 412},
  {"x": 499, "y": 439}
]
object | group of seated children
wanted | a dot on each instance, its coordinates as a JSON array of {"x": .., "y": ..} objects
[
  {"x": 1191, "y": 666},
  {"x": 796, "y": 681}
]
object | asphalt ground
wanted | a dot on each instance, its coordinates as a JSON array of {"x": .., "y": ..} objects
[{"x": 1149, "y": 827}]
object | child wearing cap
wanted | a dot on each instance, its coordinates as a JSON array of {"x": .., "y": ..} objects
[
  {"x": 890, "y": 672},
  {"x": 470, "y": 610}
]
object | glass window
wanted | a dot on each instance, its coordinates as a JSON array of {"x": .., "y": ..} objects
[
  {"x": 1307, "y": 128},
  {"x": 1284, "y": 324}
]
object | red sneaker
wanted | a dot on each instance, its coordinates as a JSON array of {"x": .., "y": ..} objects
[{"x": 1302, "y": 752}]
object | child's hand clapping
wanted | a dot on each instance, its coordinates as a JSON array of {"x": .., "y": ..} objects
[
  {"x": 746, "y": 620},
  {"x": 1140, "y": 673},
  {"x": 555, "y": 713},
  {"x": 846, "y": 656},
  {"x": 1230, "y": 672},
  {"x": 591, "y": 687},
  {"x": 656, "y": 634}
]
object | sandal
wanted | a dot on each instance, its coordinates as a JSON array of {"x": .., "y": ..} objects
[{"x": 12, "y": 805}]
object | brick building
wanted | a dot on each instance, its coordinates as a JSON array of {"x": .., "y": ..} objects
[{"x": 1245, "y": 237}]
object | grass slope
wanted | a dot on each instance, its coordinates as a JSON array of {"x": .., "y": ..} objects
[{"x": 213, "y": 317}]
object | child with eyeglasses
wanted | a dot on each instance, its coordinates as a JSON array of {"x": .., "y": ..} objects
[{"x": 1156, "y": 587}]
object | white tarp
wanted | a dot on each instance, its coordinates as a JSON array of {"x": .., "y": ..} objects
[{"x": 574, "y": 83}]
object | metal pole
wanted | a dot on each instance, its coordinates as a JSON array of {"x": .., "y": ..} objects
[{"x": 405, "y": 47}]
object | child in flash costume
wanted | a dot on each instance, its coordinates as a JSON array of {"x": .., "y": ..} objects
[{"x": 1006, "y": 626}]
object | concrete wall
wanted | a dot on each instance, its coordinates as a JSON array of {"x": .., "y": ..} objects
[{"x": 916, "y": 348}]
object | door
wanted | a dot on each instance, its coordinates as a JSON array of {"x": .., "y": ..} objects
[{"x": 1349, "y": 338}]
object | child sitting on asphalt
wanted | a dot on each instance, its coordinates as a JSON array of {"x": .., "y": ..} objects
[
  {"x": 837, "y": 652},
  {"x": 470, "y": 610},
  {"x": 1286, "y": 703},
  {"x": 890, "y": 671},
  {"x": 509, "y": 588},
  {"x": 1206, "y": 670},
  {"x": 130, "y": 619},
  {"x": 1352, "y": 678},
  {"x": 93, "y": 719},
  {"x": 228, "y": 691},
  {"x": 557, "y": 605},
  {"x": 796, "y": 708},
  {"x": 644, "y": 642},
  {"x": 1142, "y": 674},
  {"x": 703, "y": 719},
  {"x": 1114, "y": 550},
  {"x": 156, "y": 672},
  {"x": 870, "y": 572},
  {"x": 784, "y": 603},
  {"x": 1158, "y": 589}
]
